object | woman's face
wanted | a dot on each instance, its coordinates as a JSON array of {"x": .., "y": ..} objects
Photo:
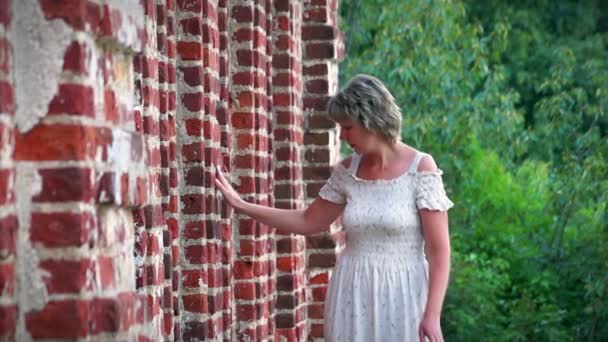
[{"x": 360, "y": 139}]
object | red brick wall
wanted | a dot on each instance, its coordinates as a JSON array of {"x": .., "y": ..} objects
[
  {"x": 288, "y": 186},
  {"x": 110, "y": 222},
  {"x": 322, "y": 49},
  {"x": 8, "y": 218}
]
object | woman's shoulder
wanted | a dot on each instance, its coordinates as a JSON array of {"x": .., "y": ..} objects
[{"x": 425, "y": 162}]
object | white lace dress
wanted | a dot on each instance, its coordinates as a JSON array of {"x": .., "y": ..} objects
[{"x": 379, "y": 287}]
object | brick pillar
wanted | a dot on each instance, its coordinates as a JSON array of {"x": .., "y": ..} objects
[
  {"x": 322, "y": 51},
  {"x": 165, "y": 36},
  {"x": 204, "y": 281},
  {"x": 226, "y": 143},
  {"x": 288, "y": 190},
  {"x": 8, "y": 219},
  {"x": 152, "y": 237},
  {"x": 250, "y": 82},
  {"x": 80, "y": 168}
]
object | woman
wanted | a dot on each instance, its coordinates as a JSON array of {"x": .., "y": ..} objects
[{"x": 394, "y": 212}]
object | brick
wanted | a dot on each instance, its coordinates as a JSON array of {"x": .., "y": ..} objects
[
  {"x": 281, "y": 22},
  {"x": 317, "y": 87},
  {"x": 195, "y": 6},
  {"x": 320, "y": 15},
  {"x": 284, "y": 61},
  {"x": 73, "y": 99},
  {"x": 59, "y": 319},
  {"x": 322, "y": 278},
  {"x": 7, "y": 194},
  {"x": 71, "y": 11},
  {"x": 65, "y": 184},
  {"x": 284, "y": 79},
  {"x": 320, "y": 69},
  {"x": 5, "y": 19},
  {"x": 8, "y": 234},
  {"x": 318, "y": 293},
  {"x": 106, "y": 271},
  {"x": 246, "y": 312},
  {"x": 242, "y": 14},
  {"x": 151, "y": 96},
  {"x": 316, "y": 103},
  {"x": 320, "y": 241},
  {"x": 67, "y": 276},
  {"x": 317, "y": 155},
  {"x": 61, "y": 229},
  {"x": 321, "y": 260},
  {"x": 196, "y": 254},
  {"x": 195, "y": 331},
  {"x": 281, "y": 5},
  {"x": 5, "y": 50},
  {"x": 193, "y": 278},
  {"x": 193, "y": 153},
  {"x": 107, "y": 315},
  {"x": 61, "y": 142},
  {"x": 195, "y": 303},
  {"x": 318, "y": 32},
  {"x": 150, "y": 68},
  {"x": 154, "y": 275},
  {"x": 286, "y": 301},
  {"x": 76, "y": 58},
  {"x": 193, "y": 101},
  {"x": 111, "y": 22},
  {"x": 250, "y": 58},
  {"x": 288, "y": 264},
  {"x": 321, "y": 139},
  {"x": 7, "y": 281},
  {"x": 191, "y": 26},
  {"x": 190, "y": 51},
  {"x": 320, "y": 51},
  {"x": 7, "y": 105},
  {"x": 110, "y": 106},
  {"x": 320, "y": 122},
  {"x": 285, "y": 320},
  {"x": 193, "y": 76},
  {"x": 284, "y": 42},
  {"x": 8, "y": 316},
  {"x": 312, "y": 189},
  {"x": 316, "y": 330},
  {"x": 315, "y": 310},
  {"x": 196, "y": 176}
]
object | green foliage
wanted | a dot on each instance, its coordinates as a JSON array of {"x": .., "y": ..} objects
[{"x": 511, "y": 98}]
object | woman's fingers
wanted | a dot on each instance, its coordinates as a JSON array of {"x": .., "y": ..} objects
[{"x": 219, "y": 173}]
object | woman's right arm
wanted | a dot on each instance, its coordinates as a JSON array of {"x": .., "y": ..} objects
[{"x": 317, "y": 217}]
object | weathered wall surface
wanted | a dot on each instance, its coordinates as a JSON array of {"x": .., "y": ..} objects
[{"x": 113, "y": 117}]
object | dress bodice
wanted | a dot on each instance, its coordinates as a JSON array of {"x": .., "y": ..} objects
[{"x": 381, "y": 216}]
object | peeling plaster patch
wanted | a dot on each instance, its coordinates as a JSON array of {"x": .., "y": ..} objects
[
  {"x": 119, "y": 153},
  {"x": 123, "y": 82},
  {"x": 127, "y": 33},
  {"x": 39, "y": 46},
  {"x": 31, "y": 291},
  {"x": 132, "y": 7},
  {"x": 117, "y": 230}
]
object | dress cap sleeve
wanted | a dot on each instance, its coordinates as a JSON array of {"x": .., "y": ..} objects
[
  {"x": 430, "y": 193},
  {"x": 333, "y": 190}
]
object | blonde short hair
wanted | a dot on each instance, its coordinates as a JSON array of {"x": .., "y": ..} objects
[{"x": 367, "y": 101}]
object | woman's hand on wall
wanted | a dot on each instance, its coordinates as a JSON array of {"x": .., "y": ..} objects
[{"x": 230, "y": 195}]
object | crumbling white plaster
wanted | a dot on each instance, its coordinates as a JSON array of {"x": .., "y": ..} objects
[
  {"x": 39, "y": 46},
  {"x": 119, "y": 153},
  {"x": 31, "y": 291}
]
